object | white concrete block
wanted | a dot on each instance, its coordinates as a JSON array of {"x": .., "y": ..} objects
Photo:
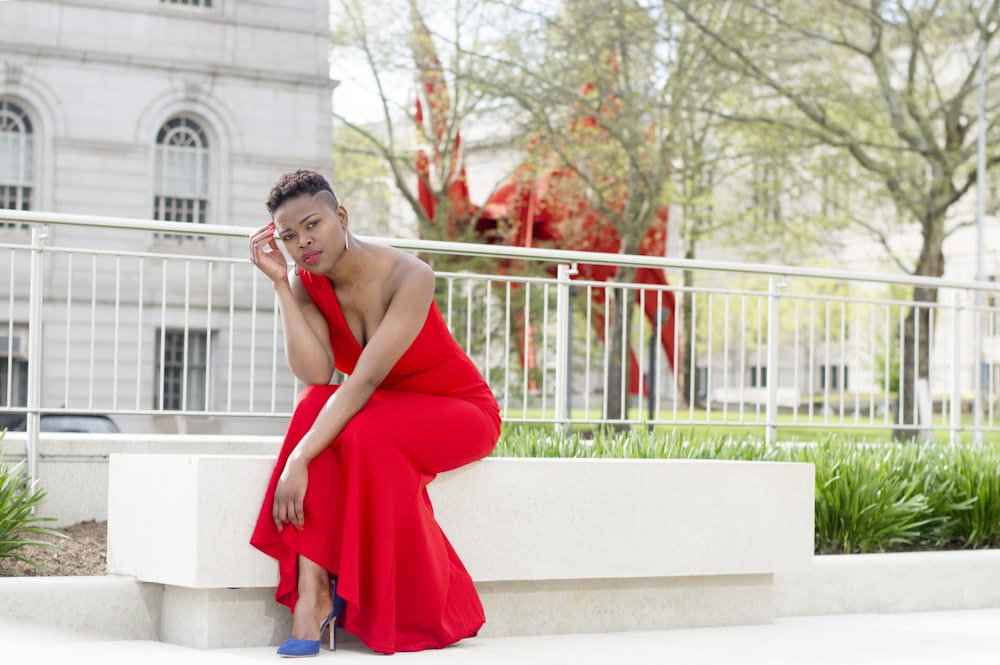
[
  {"x": 104, "y": 606},
  {"x": 894, "y": 582},
  {"x": 536, "y": 519},
  {"x": 186, "y": 520},
  {"x": 223, "y": 618}
]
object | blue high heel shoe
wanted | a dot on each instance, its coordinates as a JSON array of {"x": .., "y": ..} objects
[{"x": 293, "y": 648}]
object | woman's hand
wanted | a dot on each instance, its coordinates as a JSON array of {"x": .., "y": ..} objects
[
  {"x": 264, "y": 253},
  {"x": 290, "y": 494}
]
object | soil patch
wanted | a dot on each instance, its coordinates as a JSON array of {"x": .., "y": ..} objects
[{"x": 82, "y": 552}]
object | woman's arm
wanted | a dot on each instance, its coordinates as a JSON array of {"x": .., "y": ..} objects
[
  {"x": 307, "y": 336},
  {"x": 404, "y": 318}
]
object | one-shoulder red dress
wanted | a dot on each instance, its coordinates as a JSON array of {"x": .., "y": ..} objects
[{"x": 369, "y": 520}]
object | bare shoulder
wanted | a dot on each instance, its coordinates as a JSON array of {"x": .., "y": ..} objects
[{"x": 411, "y": 275}]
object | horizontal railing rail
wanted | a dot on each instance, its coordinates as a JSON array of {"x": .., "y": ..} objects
[{"x": 168, "y": 327}]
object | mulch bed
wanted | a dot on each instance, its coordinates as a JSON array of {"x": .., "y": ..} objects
[{"x": 84, "y": 552}]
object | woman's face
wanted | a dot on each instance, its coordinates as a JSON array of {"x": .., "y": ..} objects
[{"x": 312, "y": 229}]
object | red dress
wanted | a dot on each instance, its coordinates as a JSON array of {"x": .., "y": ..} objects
[{"x": 369, "y": 520}]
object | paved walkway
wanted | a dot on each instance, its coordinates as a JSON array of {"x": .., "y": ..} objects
[{"x": 968, "y": 637}]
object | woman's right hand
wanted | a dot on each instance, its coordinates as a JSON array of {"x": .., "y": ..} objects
[{"x": 264, "y": 253}]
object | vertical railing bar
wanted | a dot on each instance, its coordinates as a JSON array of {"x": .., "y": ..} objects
[
  {"x": 956, "y": 395},
  {"x": 277, "y": 353},
  {"x": 812, "y": 362},
  {"x": 527, "y": 349},
  {"x": 743, "y": 357},
  {"x": 641, "y": 293},
  {"x": 606, "y": 379},
  {"x": 209, "y": 336},
  {"x": 625, "y": 364},
  {"x": 254, "y": 322},
  {"x": 857, "y": 362},
  {"x": 916, "y": 366},
  {"x": 931, "y": 317},
  {"x": 773, "y": 340},
  {"x": 117, "y": 317},
  {"x": 693, "y": 376},
  {"x": 488, "y": 304},
  {"x": 757, "y": 360},
  {"x": 657, "y": 346},
  {"x": 588, "y": 337},
  {"x": 886, "y": 351},
  {"x": 187, "y": 336},
  {"x": 506, "y": 346},
  {"x": 93, "y": 332},
  {"x": 35, "y": 308},
  {"x": 140, "y": 310},
  {"x": 563, "y": 341},
  {"x": 900, "y": 416},
  {"x": 9, "y": 393},
  {"x": 468, "y": 316},
  {"x": 795, "y": 360},
  {"x": 725, "y": 358},
  {"x": 710, "y": 354},
  {"x": 871, "y": 363},
  {"x": 826, "y": 363},
  {"x": 451, "y": 291},
  {"x": 843, "y": 359},
  {"x": 675, "y": 370},
  {"x": 163, "y": 336},
  {"x": 230, "y": 338},
  {"x": 545, "y": 349},
  {"x": 69, "y": 326}
]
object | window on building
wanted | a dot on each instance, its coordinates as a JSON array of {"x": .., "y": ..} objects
[
  {"x": 181, "y": 174},
  {"x": 833, "y": 377},
  {"x": 181, "y": 370},
  {"x": 17, "y": 156},
  {"x": 13, "y": 367},
  {"x": 758, "y": 376},
  {"x": 206, "y": 4}
]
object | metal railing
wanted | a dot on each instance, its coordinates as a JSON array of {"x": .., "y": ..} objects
[{"x": 148, "y": 320}]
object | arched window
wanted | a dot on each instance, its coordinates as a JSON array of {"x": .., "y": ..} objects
[
  {"x": 181, "y": 172},
  {"x": 17, "y": 157}
]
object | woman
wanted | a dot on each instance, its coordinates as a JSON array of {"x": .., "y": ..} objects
[{"x": 346, "y": 513}]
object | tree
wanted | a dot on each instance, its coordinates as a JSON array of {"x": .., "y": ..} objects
[{"x": 890, "y": 84}]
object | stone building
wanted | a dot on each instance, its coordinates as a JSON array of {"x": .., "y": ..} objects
[{"x": 180, "y": 110}]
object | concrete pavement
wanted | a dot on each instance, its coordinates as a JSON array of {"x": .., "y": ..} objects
[{"x": 966, "y": 637}]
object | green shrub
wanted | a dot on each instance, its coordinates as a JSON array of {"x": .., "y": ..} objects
[{"x": 18, "y": 522}]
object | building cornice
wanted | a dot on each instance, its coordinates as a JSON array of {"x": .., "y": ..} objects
[{"x": 158, "y": 64}]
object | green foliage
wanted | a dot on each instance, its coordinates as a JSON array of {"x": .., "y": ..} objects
[
  {"x": 870, "y": 496},
  {"x": 18, "y": 522}
]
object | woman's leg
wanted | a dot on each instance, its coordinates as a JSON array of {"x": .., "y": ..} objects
[{"x": 314, "y": 603}]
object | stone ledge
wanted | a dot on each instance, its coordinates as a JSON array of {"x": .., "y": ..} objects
[
  {"x": 886, "y": 583},
  {"x": 554, "y": 545}
]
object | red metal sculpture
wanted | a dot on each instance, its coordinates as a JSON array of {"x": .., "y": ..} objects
[{"x": 543, "y": 203}]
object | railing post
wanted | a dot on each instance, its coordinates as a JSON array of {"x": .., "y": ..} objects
[
  {"x": 977, "y": 365},
  {"x": 956, "y": 392},
  {"x": 563, "y": 345},
  {"x": 32, "y": 417},
  {"x": 773, "y": 285}
]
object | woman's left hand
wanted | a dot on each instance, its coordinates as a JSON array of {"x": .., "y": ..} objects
[{"x": 289, "y": 495}]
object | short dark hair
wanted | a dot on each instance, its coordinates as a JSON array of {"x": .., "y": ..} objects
[{"x": 298, "y": 183}]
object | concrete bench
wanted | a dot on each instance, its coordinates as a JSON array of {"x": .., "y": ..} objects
[{"x": 554, "y": 545}]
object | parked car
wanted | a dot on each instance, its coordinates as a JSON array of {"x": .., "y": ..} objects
[{"x": 62, "y": 422}]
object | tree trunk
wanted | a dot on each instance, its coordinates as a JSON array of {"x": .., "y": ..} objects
[{"x": 916, "y": 355}]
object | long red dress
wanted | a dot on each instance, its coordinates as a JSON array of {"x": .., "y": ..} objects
[{"x": 369, "y": 520}]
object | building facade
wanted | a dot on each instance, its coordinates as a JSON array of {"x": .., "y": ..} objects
[{"x": 178, "y": 110}]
